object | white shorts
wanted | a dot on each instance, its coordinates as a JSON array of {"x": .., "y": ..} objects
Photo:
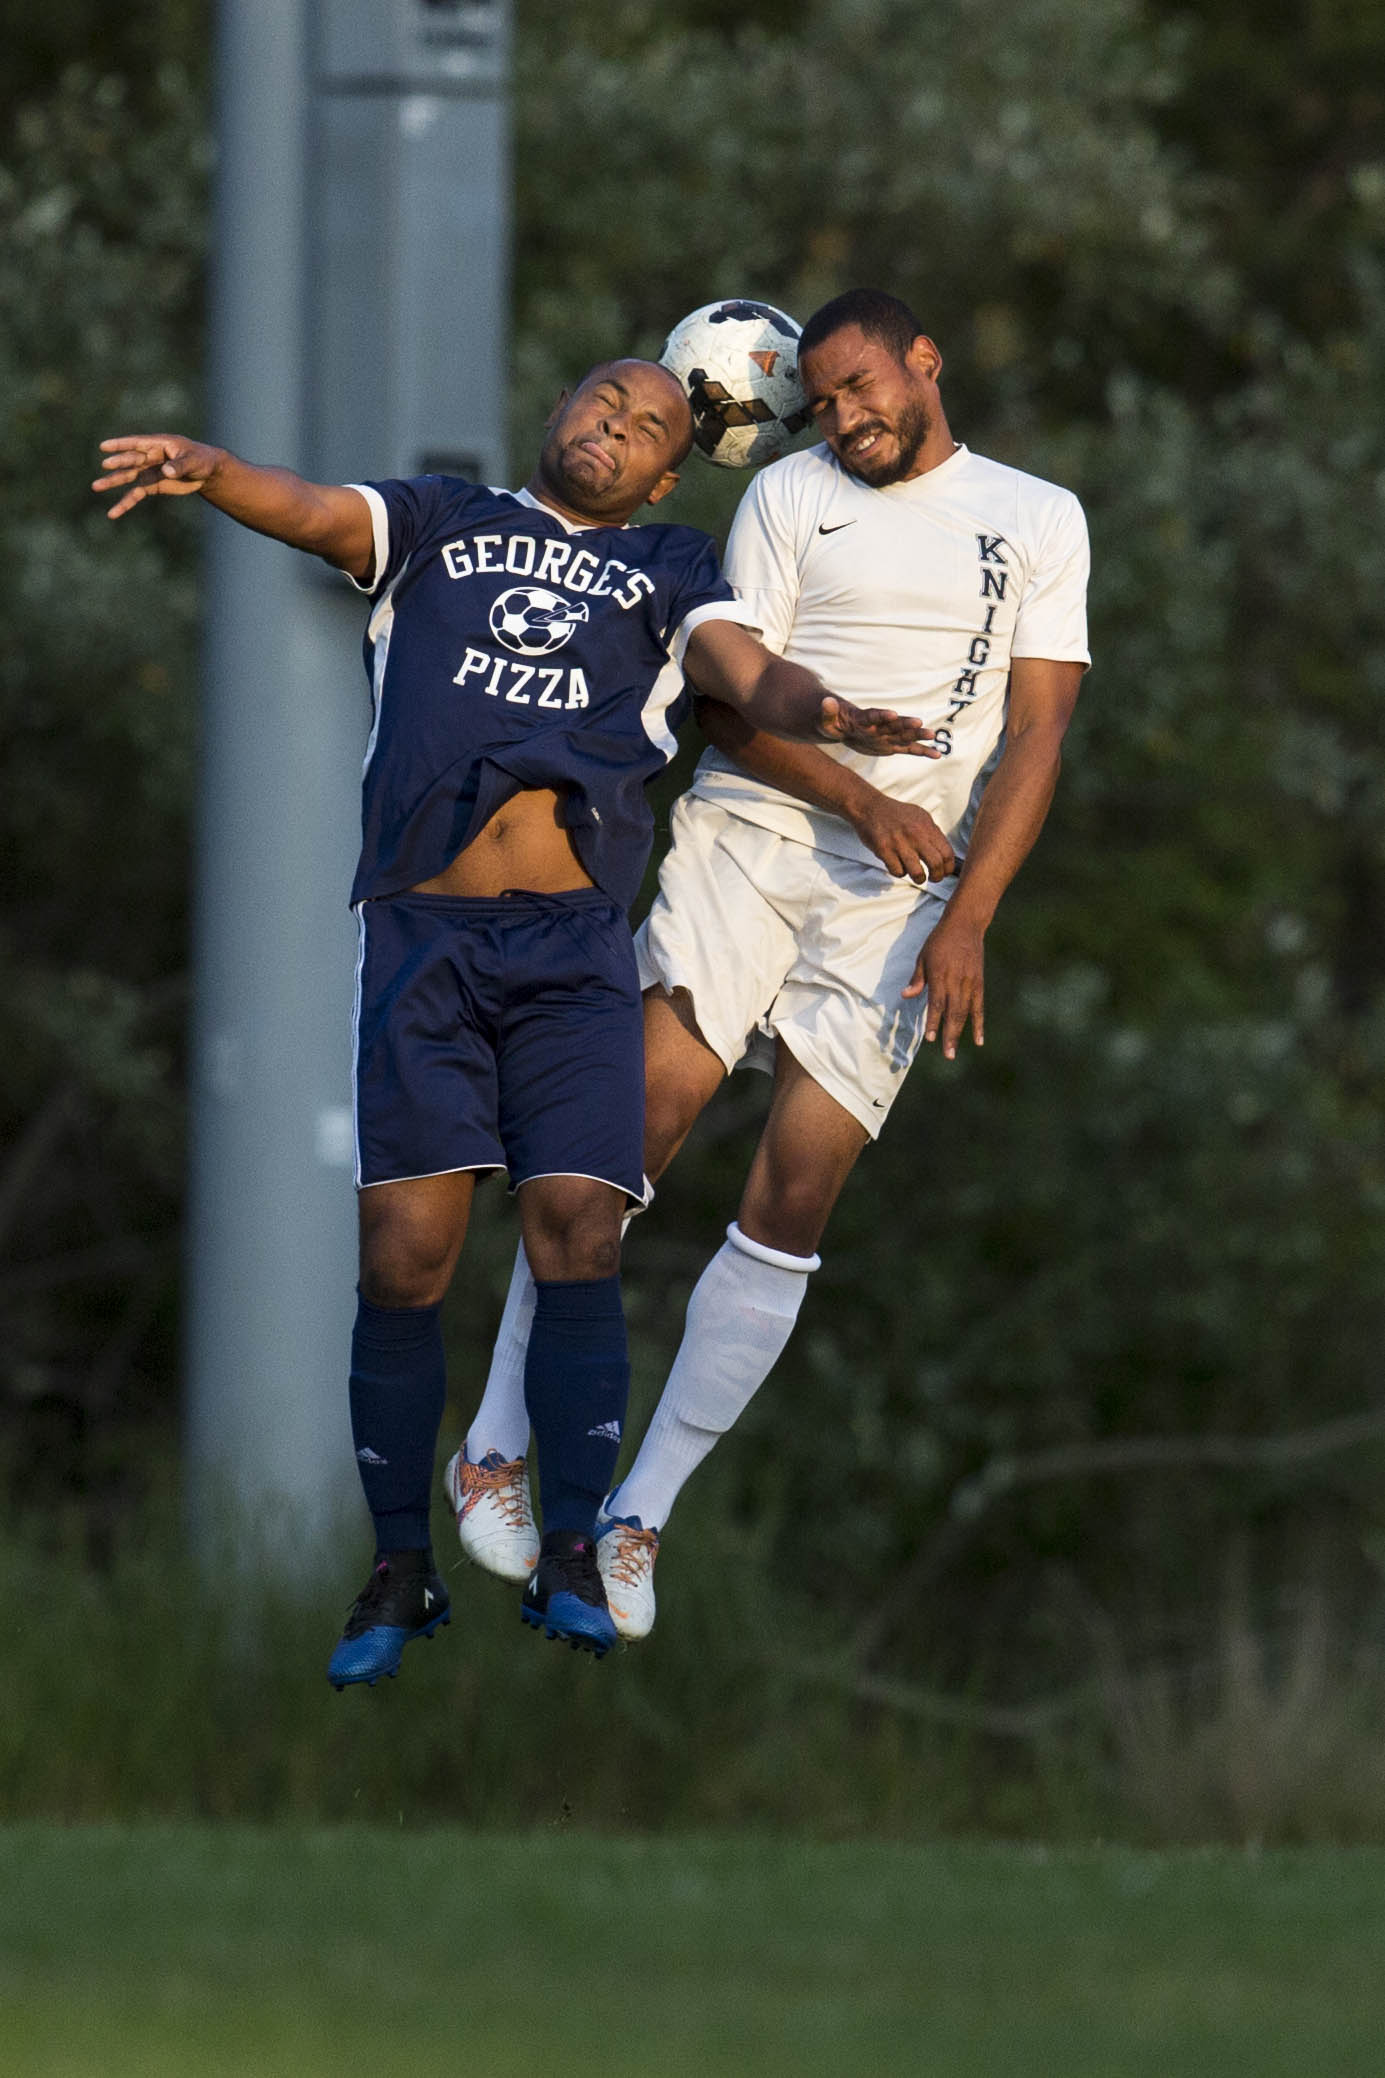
[{"x": 773, "y": 938}]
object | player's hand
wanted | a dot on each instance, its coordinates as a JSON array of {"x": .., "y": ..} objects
[
  {"x": 154, "y": 465},
  {"x": 905, "y": 838},
  {"x": 875, "y": 731},
  {"x": 952, "y": 967}
]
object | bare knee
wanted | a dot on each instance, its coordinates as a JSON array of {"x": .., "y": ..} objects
[
  {"x": 669, "y": 1116},
  {"x": 808, "y": 1149},
  {"x": 403, "y": 1269},
  {"x": 409, "y": 1245},
  {"x": 681, "y": 1074},
  {"x": 571, "y": 1228}
]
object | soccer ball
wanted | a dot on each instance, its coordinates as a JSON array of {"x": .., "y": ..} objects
[
  {"x": 534, "y": 621},
  {"x": 738, "y": 363}
]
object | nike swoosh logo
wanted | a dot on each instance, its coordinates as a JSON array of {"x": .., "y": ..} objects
[{"x": 838, "y": 528}]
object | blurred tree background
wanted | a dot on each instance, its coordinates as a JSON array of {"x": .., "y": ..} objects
[{"x": 1085, "y": 1399}]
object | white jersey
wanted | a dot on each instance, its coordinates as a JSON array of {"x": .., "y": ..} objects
[{"x": 916, "y": 596}]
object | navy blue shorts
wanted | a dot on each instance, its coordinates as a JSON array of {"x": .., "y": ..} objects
[{"x": 499, "y": 1033}]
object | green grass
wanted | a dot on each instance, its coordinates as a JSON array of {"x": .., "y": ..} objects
[
  {"x": 194, "y": 1694},
  {"x": 205, "y": 1951},
  {"x": 150, "y": 1688}
]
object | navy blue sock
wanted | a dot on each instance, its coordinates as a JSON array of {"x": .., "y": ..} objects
[
  {"x": 398, "y": 1387},
  {"x": 576, "y": 1383}
]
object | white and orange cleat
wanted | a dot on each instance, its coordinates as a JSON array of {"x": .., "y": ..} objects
[
  {"x": 494, "y": 1514},
  {"x": 625, "y": 1555}
]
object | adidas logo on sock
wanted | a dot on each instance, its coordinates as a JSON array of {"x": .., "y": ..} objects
[
  {"x": 608, "y": 1430},
  {"x": 367, "y": 1456}
]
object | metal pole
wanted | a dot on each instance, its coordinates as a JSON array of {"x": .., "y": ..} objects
[
  {"x": 271, "y": 1217},
  {"x": 357, "y": 330}
]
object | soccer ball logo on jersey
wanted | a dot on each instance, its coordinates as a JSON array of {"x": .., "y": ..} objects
[{"x": 534, "y": 622}]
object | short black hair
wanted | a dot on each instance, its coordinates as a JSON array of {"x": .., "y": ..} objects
[{"x": 881, "y": 317}]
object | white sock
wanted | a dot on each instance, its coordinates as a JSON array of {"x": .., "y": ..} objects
[
  {"x": 740, "y": 1316},
  {"x": 501, "y": 1422}
]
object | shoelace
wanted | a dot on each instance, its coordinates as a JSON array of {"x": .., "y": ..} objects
[
  {"x": 505, "y": 1485},
  {"x": 635, "y": 1553}
]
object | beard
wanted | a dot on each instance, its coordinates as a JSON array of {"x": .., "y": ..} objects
[{"x": 910, "y": 430}]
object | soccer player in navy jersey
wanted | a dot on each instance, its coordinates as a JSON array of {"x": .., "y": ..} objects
[{"x": 527, "y": 653}]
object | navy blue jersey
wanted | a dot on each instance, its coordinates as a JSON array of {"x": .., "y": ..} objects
[{"x": 508, "y": 649}]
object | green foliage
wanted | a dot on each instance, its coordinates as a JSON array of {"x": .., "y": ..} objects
[
  {"x": 788, "y": 166},
  {"x": 101, "y": 209},
  {"x": 134, "y": 44},
  {"x": 200, "y": 1691},
  {"x": 148, "y": 1687}
]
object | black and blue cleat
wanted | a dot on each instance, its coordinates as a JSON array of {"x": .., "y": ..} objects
[
  {"x": 400, "y": 1602},
  {"x": 564, "y": 1596}
]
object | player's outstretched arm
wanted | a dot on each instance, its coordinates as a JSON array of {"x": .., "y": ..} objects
[
  {"x": 725, "y": 662},
  {"x": 903, "y": 836},
  {"x": 328, "y": 520},
  {"x": 1043, "y": 694}
]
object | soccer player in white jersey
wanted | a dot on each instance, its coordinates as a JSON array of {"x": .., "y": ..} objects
[{"x": 807, "y": 921}]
